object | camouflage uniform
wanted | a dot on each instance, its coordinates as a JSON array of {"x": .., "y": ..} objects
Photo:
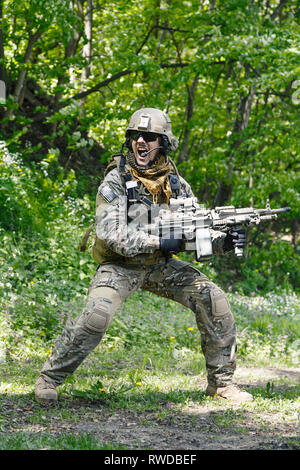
[{"x": 128, "y": 260}]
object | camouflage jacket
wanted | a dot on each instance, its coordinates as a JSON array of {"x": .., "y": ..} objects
[{"x": 117, "y": 240}]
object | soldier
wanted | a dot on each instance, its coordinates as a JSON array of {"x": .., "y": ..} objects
[{"x": 129, "y": 259}]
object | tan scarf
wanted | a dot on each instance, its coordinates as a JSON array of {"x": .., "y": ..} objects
[{"x": 155, "y": 178}]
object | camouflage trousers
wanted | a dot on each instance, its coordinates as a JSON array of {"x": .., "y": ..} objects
[{"x": 173, "y": 279}]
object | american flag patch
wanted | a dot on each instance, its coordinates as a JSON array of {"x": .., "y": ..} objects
[{"x": 107, "y": 193}]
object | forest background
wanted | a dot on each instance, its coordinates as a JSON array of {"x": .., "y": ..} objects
[{"x": 71, "y": 74}]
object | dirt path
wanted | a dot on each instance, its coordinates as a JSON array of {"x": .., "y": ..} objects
[
  {"x": 191, "y": 427},
  {"x": 205, "y": 427}
]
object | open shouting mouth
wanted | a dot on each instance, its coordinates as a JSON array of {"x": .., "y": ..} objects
[{"x": 141, "y": 150}]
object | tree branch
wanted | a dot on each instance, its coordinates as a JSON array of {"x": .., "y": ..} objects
[
  {"x": 104, "y": 83},
  {"x": 97, "y": 87},
  {"x": 278, "y": 9},
  {"x": 145, "y": 40},
  {"x": 156, "y": 27}
]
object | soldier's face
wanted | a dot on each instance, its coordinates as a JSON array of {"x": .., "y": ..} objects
[{"x": 141, "y": 145}]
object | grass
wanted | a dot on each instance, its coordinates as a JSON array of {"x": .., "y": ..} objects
[
  {"x": 150, "y": 365},
  {"x": 29, "y": 441}
]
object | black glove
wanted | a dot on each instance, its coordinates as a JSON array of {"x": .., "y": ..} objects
[
  {"x": 235, "y": 238},
  {"x": 170, "y": 245}
]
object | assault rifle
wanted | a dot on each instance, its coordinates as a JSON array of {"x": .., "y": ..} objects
[{"x": 185, "y": 218}]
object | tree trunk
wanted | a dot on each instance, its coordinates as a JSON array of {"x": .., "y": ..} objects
[
  {"x": 183, "y": 154},
  {"x": 224, "y": 190},
  {"x": 2, "y": 67},
  {"x": 243, "y": 112},
  {"x": 87, "y": 48},
  {"x": 18, "y": 94}
]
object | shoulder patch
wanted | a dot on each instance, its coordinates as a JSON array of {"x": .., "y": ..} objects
[{"x": 107, "y": 193}]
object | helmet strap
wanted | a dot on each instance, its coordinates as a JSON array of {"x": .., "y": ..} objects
[{"x": 123, "y": 158}]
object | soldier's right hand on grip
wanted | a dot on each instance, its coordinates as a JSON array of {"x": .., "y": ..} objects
[
  {"x": 235, "y": 238},
  {"x": 170, "y": 245}
]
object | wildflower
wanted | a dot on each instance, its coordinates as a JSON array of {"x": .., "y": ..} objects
[
  {"x": 159, "y": 387},
  {"x": 102, "y": 390},
  {"x": 19, "y": 169},
  {"x": 190, "y": 328},
  {"x": 48, "y": 352},
  {"x": 31, "y": 282},
  {"x": 139, "y": 383},
  {"x": 175, "y": 256}
]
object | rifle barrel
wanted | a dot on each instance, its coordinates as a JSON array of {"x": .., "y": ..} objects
[{"x": 273, "y": 211}]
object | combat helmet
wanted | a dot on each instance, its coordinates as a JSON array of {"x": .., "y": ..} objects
[{"x": 152, "y": 120}]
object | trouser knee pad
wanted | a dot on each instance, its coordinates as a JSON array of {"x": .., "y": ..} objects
[
  {"x": 99, "y": 315},
  {"x": 101, "y": 306},
  {"x": 219, "y": 303}
]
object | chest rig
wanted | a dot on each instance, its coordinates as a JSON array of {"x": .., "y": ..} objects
[{"x": 133, "y": 196}]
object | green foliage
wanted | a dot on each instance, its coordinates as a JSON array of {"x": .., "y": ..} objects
[
  {"x": 159, "y": 376},
  {"x": 40, "y": 264},
  {"x": 269, "y": 326},
  {"x": 226, "y": 73},
  {"x": 268, "y": 265}
]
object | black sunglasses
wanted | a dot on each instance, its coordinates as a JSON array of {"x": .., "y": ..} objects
[{"x": 147, "y": 136}]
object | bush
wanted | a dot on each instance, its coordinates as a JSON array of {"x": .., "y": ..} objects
[{"x": 42, "y": 272}]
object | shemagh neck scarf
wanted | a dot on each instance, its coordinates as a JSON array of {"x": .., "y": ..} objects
[{"x": 155, "y": 178}]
